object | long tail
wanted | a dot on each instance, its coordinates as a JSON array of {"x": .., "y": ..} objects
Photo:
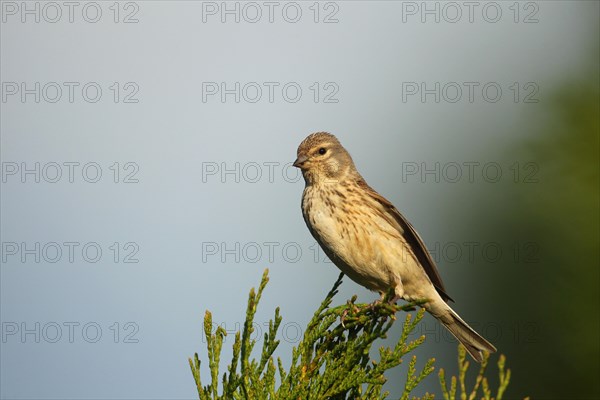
[{"x": 473, "y": 342}]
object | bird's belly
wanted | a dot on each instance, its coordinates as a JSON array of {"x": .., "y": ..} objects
[{"x": 354, "y": 246}]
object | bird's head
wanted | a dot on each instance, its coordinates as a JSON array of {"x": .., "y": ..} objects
[{"x": 321, "y": 157}]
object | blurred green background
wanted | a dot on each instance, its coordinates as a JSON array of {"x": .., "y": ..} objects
[{"x": 549, "y": 297}]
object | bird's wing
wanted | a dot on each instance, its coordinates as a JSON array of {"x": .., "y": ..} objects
[{"x": 413, "y": 239}]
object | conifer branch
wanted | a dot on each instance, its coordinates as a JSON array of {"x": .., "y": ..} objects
[{"x": 332, "y": 360}]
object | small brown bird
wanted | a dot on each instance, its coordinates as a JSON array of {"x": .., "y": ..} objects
[{"x": 368, "y": 239}]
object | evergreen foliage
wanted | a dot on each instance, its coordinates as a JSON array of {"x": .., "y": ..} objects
[{"x": 332, "y": 361}]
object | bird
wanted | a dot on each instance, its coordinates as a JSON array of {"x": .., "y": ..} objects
[{"x": 369, "y": 240}]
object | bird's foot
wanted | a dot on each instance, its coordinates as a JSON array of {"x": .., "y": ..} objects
[
  {"x": 374, "y": 304},
  {"x": 351, "y": 306},
  {"x": 345, "y": 314}
]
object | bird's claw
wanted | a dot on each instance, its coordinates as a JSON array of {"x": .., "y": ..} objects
[{"x": 345, "y": 314}]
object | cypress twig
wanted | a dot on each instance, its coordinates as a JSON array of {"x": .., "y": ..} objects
[
  {"x": 333, "y": 359},
  {"x": 481, "y": 382}
]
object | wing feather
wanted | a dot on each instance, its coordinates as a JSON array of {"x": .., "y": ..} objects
[{"x": 413, "y": 239}]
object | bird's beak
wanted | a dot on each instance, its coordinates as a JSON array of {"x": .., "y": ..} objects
[{"x": 300, "y": 161}]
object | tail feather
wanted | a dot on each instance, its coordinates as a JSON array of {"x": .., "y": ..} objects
[{"x": 473, "y": 342}]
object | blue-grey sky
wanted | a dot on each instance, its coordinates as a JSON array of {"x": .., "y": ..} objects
[{"x": 191, "y": 119}]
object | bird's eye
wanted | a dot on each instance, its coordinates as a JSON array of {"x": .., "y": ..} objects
[{"x": 322, "y": 150}]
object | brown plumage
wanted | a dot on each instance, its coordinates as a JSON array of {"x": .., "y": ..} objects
[{"x": 368, "y": 239}]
